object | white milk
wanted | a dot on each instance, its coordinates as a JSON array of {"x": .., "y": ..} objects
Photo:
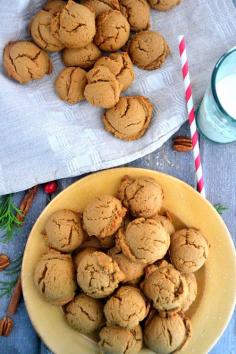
[{"x": 226, "y": 92}]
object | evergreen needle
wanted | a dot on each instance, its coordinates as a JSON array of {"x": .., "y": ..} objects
[
  {"x": 220, "y": 208},
  {"x": 8, "y": 217}
]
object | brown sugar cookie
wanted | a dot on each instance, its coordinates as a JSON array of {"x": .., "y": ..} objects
[
  {"x": 126, "y": 308},
  {"x": 40, "y": 29},
  {"x": 143, "y": 196},
  {"x": 121, "y": 66},
  {"x": 112, "y": 31},
  {"x": 74, "y": 25},
  {"x": 168, "y": 334},
  {"x": 103, "y": 216},
  {"x": 83, "y": 57},
  {"x": 102, "y": 90},
  {"x": 148, "y": 50},
  {"x": 98, "y": 275},
  {"x": 163, "y": 5},
  {"x": 143, "y": 240},
  {"x": 165, "y": 286},
  {"x": 100, "y": 6},
  {"x": 25, "y": 61},
  {"x": 189, "y": 250},
  {"x": 137, "y": 13},
  {"x": 118, "y": 340},
  {"x": 54, "y": 6},
  {"x": 70, "y": 84},
  {"x": 129, "y": 118}
]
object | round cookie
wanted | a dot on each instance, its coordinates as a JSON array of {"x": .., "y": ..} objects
[
  {"x": 84, "y": 314},
  {"x": 74, "y": 25},
  {"x": 83, "y": 57},
  {"x": 192, "y": 290},
  {"x": 54, "y": 6},
  {"x": 64, "y": 231},
  {"x": 113, "y": 31},
  {"x": 165, "y": 287},
  {"x": 98, "y": 275},
  {"x": 100, "y": 6},
  {"x": 144, "y": 241},
  {"x": 142, "y": 195},
  {"x": 81, "y": 254},
  {"x": 102, "y": 90},
  {"x": 126, "y": 308},
  {"x": 103, "y": 216},
  {"x": 137, "y": 13},
  {"x": 25, "y": 61},
  {"x": 40, "y": 29},
  {"x": 163, "y": 5},
  {"x": 166, "y": 223},
  {"x": 148, "y": 50},
  {"x": 70, "y": 84},
  {"x": 129, "y": 118},
  {"x": 120, "y": 340},
  {"x": 121, "y": 66},
  {"x": 54, "y": 278},
  {"x": 133, "y": 270},
  {"x": 188, "y": 250},
  {"x": 167, "y": 335}
]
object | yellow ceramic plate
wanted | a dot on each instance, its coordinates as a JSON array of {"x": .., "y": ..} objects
[{"x": 216, "y": 280}]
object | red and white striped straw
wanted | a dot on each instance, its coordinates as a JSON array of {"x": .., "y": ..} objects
[{"x": 191, "y": 115}]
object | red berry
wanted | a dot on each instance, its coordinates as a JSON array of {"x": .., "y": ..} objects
[{"x": 50, "y": 187}]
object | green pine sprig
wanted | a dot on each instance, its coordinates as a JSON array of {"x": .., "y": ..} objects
[
  {"x": 220, "y": 208},
  {"x": 6, "y": 287},
  {"x": 8, "y": 217}
]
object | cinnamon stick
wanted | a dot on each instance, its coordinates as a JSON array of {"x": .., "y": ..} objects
[
  {"x": 15, "y": 298},
  {"x": 26, "y": 203}
]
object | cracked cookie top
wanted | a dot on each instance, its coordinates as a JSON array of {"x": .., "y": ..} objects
[
  {"x": 166, "y": 222},
  {"x": 188, "y": 250},
  {"x": 25, "y": 61},
  {"x": 84, "y": 313},
  {"x": 54, "y": 6},
  {"x": 121, "y": 66},
  {"x": 100, "y": 6},
  {"x": 98, "y": 275},
  {"x": 83, "y": 57},
  {"x": 40, "y": 29},
  {"x": 64, "y": 231},
  {"x": 148, "y": 50},
  {"x": 74, "y": 25},
  {"x": 102, "y": 90},
  {"x": 54, "y": 278},
  {"x": 144, "y": 240},
  {"x": 192, "y": 291},
  {"x": 142, "y": 195},
  {"x": 132, "y": 270},
  {"x": 126, "y": 308},
  {"x": 70, "y": 84},
  {"x": 103, "y": 216},
  {"x": 129, "y": 118},
  {"x": 163, "y": 5},
  {"x": 120, "y": 340},
  {"x": 113, "y": 31},
  {"x": 137, "y": 13},
  {"x": 165, "y": 287},
  {"x": 168, "y": 334}
]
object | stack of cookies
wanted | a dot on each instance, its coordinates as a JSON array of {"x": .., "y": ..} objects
[
  {"x": 82, "y": 31},
  {"x": 121, "y": 270}
]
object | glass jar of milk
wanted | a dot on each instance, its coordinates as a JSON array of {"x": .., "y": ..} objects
[{"x": 217, "y": 113}]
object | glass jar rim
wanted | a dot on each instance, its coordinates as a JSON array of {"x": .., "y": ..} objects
[{"x": 213, "y": 81}]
